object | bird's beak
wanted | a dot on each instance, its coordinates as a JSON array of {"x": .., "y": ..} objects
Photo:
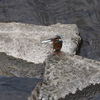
[{"x": 46, "y": 41}]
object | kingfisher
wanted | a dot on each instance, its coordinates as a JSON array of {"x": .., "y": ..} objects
[{"x": 57, "y": 44}]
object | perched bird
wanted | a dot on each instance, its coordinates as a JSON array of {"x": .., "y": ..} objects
[{"x": 57, "y": 44}]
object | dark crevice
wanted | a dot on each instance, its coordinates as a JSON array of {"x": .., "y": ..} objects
[{"x": 88, "y": 93}]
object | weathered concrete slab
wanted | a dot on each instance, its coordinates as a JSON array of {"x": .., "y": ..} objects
[
  {"x": 24, "y": 40},
  {"x": 66, "y": 74}
]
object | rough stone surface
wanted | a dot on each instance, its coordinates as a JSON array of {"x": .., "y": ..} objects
[
  {"x": 24, "y": 40},
  {"x": 66, "y": 73}
]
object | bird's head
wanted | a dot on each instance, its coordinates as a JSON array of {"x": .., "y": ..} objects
[{"x": 55, "y": 38}]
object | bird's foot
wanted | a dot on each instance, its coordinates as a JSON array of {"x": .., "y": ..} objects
[
  {"x": 58, "y": 53},
  {"x": 53, "y": 52}
]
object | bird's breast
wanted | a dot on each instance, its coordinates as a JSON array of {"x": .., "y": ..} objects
[{"x": 57, "y": 45}]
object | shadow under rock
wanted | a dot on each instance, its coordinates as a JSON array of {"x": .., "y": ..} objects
[
  {"x": 91, "y": 92},
  {"x": 24, "y": 68}
]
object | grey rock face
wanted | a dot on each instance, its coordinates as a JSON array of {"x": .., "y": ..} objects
[
  {"x": 10, "y": 66},
  {"x": 66, "y": 73},
  {"x": 24, "y": 40}
]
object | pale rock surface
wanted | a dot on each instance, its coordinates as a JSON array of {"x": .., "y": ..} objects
[
  {"x": 24, "y": 40},
  {"x": 66, "y": 73}
]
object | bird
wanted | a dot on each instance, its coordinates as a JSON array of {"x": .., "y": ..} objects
[{"x": 57, "y": 44}]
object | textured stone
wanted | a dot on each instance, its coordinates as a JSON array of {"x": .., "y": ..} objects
[
  {"x": 24, "y": 40},
  {"x": 66, "y": 73}
]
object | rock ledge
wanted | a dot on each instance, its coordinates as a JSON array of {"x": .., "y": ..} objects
[
  {"x": 66, "y": 74},
  {"x": 24, "y": 40}
]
